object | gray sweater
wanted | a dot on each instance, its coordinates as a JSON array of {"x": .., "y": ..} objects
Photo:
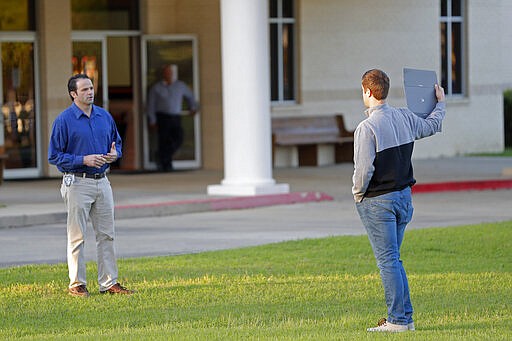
[
  {"x": 383, "y": 145},
  {"x": 167, "y": 98}
]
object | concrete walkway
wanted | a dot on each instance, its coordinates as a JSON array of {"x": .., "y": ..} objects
[{"x": 162, "y": 214}]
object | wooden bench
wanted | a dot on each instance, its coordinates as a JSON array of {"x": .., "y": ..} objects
[{"x": 306, "y": 133}]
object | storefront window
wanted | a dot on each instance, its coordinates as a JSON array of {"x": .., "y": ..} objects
[
  {"x": 17, "y": 15},
  {"x": 18, "y": 107},
  {"x": 87, "y": 58},
  {"x": 105, "y": 15},
  {"x": 180, "y": 52}
]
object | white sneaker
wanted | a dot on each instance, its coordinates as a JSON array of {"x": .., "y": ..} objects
[
  {"x": 410, "y": 327},
  {"x": 385, "y": 326}
]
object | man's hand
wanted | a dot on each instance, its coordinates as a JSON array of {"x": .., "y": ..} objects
[
  {"x": 439, "y": 93},
  {"x": 98, "y": 160},
  {"x": 95, "y": 160},
  {"x": 112, "y": 155}
]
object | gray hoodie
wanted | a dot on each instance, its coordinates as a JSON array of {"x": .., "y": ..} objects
[{"x": 383, "y": 145}]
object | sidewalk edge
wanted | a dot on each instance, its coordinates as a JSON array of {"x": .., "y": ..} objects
[
  {"x": 453, "y": 186},
  {"x": 175, "y": 208}
]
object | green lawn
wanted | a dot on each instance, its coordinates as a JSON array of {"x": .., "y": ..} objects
[
  {"x": 318, "y": 289},
  {"x": 506, "y": 153}
]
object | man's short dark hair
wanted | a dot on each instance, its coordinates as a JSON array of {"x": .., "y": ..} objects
[
  {"x": 73, "y": 80},
  {"x": 378, "y": 82}
]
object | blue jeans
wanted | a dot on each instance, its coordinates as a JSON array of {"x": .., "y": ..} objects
[{"x": 385, "y": 218}]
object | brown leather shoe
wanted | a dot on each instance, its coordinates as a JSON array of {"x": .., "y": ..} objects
[
  {"x": 79, "y": 291},
  {"x": 117, "y": 289}
]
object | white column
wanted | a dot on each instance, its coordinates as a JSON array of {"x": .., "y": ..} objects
[{"x": 246, "y": 100}]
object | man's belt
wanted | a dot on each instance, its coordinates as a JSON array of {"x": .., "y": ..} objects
[{"x": 89, "y": 175}]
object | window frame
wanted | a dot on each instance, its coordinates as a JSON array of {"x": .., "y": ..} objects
[
  {"x": 21, "y": 173},
  {"x": 192, "y": 39},
  {"x": 448, "y": 20},
  {"x": 280, "y": 21}
]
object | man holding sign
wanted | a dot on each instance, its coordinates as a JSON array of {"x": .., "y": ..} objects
[{"x": 382, "y": 180}]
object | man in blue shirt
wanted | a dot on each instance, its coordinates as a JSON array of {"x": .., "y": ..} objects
[
  {"x": 83, "y": 143},
  {"x": 164, "y": 112}
]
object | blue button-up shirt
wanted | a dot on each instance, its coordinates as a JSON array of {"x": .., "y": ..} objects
[{"x": 75, "y": 135}]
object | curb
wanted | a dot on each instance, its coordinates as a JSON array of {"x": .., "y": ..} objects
[
  {"x": 217, "y": 204},
  {"x": 32, "y": 219},
  {"x": 453, "y": 186},
  {"x": 175, "y": 208},
  {"x": 232, "y": 203}
]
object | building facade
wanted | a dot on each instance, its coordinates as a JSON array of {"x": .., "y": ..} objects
[{"x": 318, "y": 50}]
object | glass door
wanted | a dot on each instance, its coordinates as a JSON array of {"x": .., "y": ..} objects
[
  {"x": 111, "y": 60},
  {"x": 181, "y": 51},
  {"x": 18, "y": 102},
  {"x": 88, "y": 58}
]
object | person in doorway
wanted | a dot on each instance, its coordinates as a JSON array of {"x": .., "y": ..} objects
[
  {"x": 164, "y": 110},
  {"x": 84, "y": 142},
  {"x": 382, "y": 180}
]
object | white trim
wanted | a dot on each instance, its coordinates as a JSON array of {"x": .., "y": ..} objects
[
  {"x": 37, "y": 98},
  {"x": 104, "y": 66},
  {"x": 282, "y": 20},
  {"x": 98, "y": 34},
  {"x": 284, "y": 103},
  {"x": 7, "y": 36}
]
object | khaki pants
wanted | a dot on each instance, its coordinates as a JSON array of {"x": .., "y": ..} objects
[{"x": 90, "y": 199}]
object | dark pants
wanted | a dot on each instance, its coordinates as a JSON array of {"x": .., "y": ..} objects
[{"x": 170, "y": 139}]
